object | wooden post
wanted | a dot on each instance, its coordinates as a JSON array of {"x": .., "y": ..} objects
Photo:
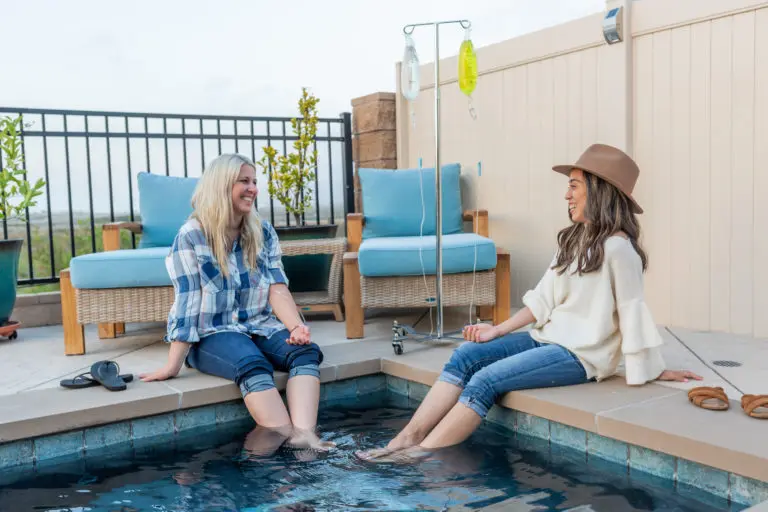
[
  {"x": 353, "y": 298},
  {"x": 74, "y": 333},
  {"x": 503, "y": 301},
  {"x": 110, "y": 235}
]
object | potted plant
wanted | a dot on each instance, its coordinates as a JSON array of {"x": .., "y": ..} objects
[
  {"x": 289, "y": 177},
  {"x": 16, "y": 195}
]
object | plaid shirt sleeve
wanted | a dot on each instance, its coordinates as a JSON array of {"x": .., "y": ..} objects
[
  {"x": 184, "y": 271},
  {"x": 274, "y": 256}
]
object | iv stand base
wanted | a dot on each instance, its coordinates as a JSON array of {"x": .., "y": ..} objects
[{"x": 402, "y": 332}]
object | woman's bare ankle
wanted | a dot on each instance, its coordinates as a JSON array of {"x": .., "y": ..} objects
[{"x": 406, "y": 439}]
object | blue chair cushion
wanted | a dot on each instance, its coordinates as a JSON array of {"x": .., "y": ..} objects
[
  {"x": 392, "y": 201},
  {"x": 165, "y": 203},
  {"x": 127, "y": 268},
  {"x": 399, "y": 256}
]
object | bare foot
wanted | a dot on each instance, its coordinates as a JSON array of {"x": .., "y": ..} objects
[
  {"x": 400, "y": 442},
  {"x": 263, "y": 441},
  {"x": 307, "y": 439},
  {"x": 404, "y": 456}
]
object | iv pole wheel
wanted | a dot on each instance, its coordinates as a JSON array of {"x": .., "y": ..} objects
[{"x": 398, "y": 333}]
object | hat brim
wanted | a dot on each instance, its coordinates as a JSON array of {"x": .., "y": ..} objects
[{"x": 566, "y": 170}]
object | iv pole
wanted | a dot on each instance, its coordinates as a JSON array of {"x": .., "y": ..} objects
[{"x": 408, "y": 30}]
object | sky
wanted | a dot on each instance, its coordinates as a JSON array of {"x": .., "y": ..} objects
[
  {"x": 226, "y": 57},
  {"x": 236, "y": 56}
]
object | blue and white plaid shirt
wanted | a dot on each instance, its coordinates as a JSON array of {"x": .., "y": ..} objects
[{"x": 207, "y": 302}]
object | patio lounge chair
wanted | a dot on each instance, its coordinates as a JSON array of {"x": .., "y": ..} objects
[
  {"x": 392, "y": 249},
  {"x": 118, "y": 285}
]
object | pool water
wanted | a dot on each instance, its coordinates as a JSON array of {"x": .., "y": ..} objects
[{"x": 210, "y": 470}]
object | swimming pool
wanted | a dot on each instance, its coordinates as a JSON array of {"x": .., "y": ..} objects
[{"x": 209, "y": 469}]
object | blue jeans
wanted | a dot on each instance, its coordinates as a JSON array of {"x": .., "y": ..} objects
[
  {"x": 250, "y": 361},
  {"x": 511, "y": 362}
]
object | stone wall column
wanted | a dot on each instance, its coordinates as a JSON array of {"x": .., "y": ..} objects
[{"x": 374, "y": 135}]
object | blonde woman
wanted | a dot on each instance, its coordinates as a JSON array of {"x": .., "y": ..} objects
[
  {"x": 587, "y": 313},
  {"x": 233, "y": 315}
]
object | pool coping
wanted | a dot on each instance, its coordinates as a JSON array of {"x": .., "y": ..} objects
[{"x": 610, "y": 421}]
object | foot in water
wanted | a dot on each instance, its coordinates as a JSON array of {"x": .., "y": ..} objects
[
  {"x": 403, "y": 456},
  {"x": 401, "y": 442},
  {"x": 303, "y": 439}
]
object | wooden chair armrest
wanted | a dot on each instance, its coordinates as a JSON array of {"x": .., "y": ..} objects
[
  {"x": 133, "y": 227},
  {"x": 355, "y": 224},
  {"x": 479, "y": 222},
  {"x": 110, "y": 233}
]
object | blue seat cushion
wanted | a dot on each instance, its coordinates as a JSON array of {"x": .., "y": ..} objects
[
  {"x": 399, "y": 256},
  {"x": 127, "y": 268},
  {"x": 392, "y": 201},
  {"x": 165, "y": 204}
]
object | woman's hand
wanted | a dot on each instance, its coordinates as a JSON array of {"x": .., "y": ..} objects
[
  {"x": 177, "y": 353},
  {"x": 480, "y": 333},
  {"x": 300, "y": 335},
  {"x": 166, "y": 372},
  {"x": 678, "y": 375}
]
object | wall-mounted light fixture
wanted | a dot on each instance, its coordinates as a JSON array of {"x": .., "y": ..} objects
[{"x": 612, "y": 25}]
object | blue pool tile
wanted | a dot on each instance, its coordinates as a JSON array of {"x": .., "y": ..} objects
[
  {"x": 198, "y": 417},
  {"x": 231, "y": 411},
  {"x": 69, "y": 444},
  {"x": 341, "y": 389},
  {"x": 568, "y": 457},
  {"x": 502, "y": 416},
  {"x": 568, "y": 436},
  {"x": 397, "y": 385},
  {"x": 651, "y": 462},
  {"x": 747, "y": 491},
  {"x": 417, "y": 390},
  {"x": 711, "y": 480},
  {"x": 607, "y": 449},
  {"x": 152, "y": 426},
  {"x": 107, "y": 435},
  {"x": 371, "y": 384},
  {"x": 532, "y": 425},
  {"x": 16, "y": 453},
  {"x": 533, "y": 444}
]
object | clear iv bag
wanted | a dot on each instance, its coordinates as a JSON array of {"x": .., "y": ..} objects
[
  {"x": 409, "y": 74},
  {"x": 467, "y": 66}
]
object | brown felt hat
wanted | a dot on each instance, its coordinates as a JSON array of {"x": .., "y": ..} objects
[{"x": 610, "y": 164}]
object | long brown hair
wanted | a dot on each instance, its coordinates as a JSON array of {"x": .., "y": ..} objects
[{"x": 608, "y": 212}]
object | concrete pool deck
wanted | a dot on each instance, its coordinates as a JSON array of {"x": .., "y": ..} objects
[{"x": 656, "y": 417}]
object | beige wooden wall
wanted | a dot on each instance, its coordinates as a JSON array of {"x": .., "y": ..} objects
[{"x": 687, "y": 95}]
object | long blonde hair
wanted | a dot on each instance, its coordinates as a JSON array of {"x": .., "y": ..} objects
[
  {"x": 608, "y": 212},
  {"x": 212, "y": 203}
]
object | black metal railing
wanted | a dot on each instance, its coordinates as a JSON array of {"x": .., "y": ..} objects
[{"x": 89, "y": 161}]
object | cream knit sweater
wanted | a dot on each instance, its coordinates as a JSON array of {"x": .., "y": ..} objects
[{"x": 600, "y": 316}]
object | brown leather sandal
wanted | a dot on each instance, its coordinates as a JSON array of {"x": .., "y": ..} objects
[
  {"x": 751, "y": 402},
  {"x": 699, "y": 396}
]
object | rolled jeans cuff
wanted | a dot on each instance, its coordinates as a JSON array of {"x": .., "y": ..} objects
[
  {"x": 450, "y": 378},
  {"x": 256, "y": 383},
  {"x": 305, "y": 369},
  {"x": 474, "y": 404}
]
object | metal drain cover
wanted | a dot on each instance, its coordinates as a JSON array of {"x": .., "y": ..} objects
[{"x": 730, "y": 364}]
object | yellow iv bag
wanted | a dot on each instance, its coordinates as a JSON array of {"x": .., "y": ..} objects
[{"x": 467, "y": 66}]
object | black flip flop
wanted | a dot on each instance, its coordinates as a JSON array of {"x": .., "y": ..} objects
[
  {"x": 85, "y": 380},
  {"x": 107, "y": 373}
]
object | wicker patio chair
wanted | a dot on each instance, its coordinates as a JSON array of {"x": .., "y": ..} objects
[
  {"x": 111, "y": 308},
  {"x": 387, "y": 196}
]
